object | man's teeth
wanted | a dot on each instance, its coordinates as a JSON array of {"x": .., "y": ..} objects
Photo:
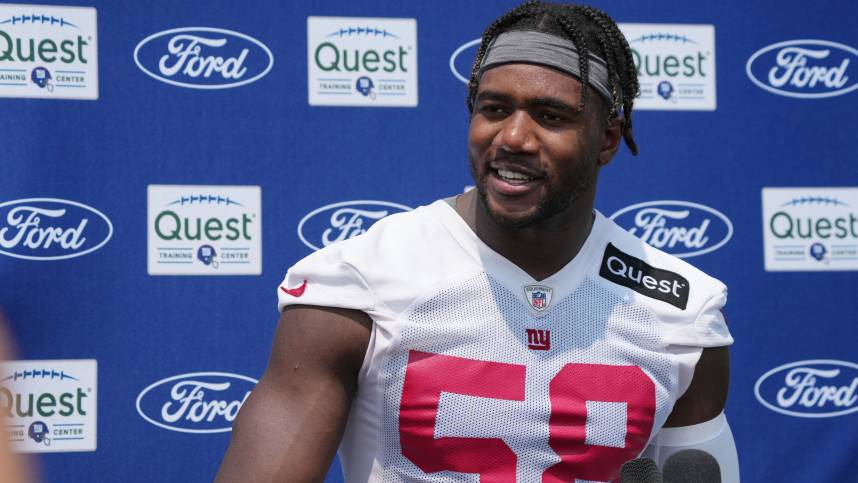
[{"x": 513, "y": 176}]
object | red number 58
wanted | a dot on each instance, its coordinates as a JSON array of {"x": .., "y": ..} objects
[{"x": 427, "y": 375}]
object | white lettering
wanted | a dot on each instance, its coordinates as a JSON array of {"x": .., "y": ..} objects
[
  {"x": 802, "y": 389},
  {"x": 652, "y": 225},
  {"x": 649, "y": 282},
  {"x": 620, "y": 270},
  {"x": 618, "y": 267},
  {"x": 792, "y": 69},
  {"x": 27, "y": 221},
  {"x": 185, "y": 56},
  {"x": 349, "y": 223},
  {"x": 188, "y": 402}
]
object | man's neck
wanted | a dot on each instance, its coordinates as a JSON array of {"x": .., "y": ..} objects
[{"x": 541, "y": 249}]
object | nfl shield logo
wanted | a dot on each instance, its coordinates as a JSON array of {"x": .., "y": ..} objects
[
  {"x": 537, "y": 299},
  {"x": 538, "y": 296}
]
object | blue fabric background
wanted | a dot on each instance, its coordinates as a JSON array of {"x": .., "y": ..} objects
[{"x": 141, "y": 328}]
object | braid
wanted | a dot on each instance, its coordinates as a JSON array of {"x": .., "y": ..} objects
[
  {"x": 583, "y": 52},
  {"x": 590, "y": 30},
  {"x": 491, "y": 32},
  {"x": 610, "y": 54},
  {"x": 618, "y": 51}
]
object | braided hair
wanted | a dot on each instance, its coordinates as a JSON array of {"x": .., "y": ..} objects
[{"x": 591, "y": 31}]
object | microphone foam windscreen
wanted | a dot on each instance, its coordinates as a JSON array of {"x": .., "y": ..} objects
[
  {"x": 692, "y": 466},
  {"x": 640, "y": 470}
]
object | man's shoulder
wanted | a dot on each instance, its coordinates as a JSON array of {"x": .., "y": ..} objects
[
  {"x": 399, "y": 256},
  {"x": 628, "y": 261},
  {"x": 404, "y": 232}
]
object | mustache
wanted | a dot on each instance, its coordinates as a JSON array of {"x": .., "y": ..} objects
[{"x": 518, "y": 158}]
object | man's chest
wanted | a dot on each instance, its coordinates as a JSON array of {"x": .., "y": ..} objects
[{"x": 490, "y": 389}]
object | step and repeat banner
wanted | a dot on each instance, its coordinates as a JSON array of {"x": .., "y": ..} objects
[{"x": 163, "y": 164}]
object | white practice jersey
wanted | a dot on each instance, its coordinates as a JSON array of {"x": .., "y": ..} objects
[{"x": 475, "y": 371}]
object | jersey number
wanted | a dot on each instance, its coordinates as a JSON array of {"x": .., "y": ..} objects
[{"x": 427, "y": 375}]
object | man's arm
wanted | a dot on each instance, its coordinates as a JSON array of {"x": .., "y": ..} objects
[
  {"x": 697, "y": 420},
  {"x": 290, "y": 426},
  {"x": 707, "y": 394}
]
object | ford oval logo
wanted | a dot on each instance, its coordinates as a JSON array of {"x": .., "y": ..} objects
[
  {"x": 341, "y": 221},
  {"x": 203, "y": 58},
  {"x": 199, "y": 402},
  {"x": 51, "y": 229},
  {"x": 804, "y": 68},
  {"x": 819, "y": 388},
  {"x": 462, "y": 60},
  {"x": 681, "y": 228}
]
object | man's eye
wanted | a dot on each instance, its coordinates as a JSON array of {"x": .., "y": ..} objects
[
  {"x": 493, "y": 109},
  {"x": 551, "y": 117}
]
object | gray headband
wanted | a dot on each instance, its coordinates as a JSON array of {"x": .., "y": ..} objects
[{"x": 532, "y": 47}]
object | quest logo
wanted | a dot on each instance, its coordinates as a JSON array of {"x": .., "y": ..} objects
[
  {"x": 634, "y": 273},
  {"x": 341, "y": 221},
  {"x": 675, "y": 64},
  {"x": 819, "y": 388},
  {"x": 49, "y": 405},
  {"x": 199, "y": 402},
  {"x": 204, "y": 230},
  {"x": 51, "y": 229},
  {"x": 48, "y": 52},
  {"x": 681, "y": 228},
  {"x": 810, "y": 229},
  {"x": 805, "y": 69},
  {"x": 203, "y": 58},
  {"x": 356, "y": 61}
]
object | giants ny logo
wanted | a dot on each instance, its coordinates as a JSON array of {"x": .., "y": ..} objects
[{"x": 538, "y": 339}]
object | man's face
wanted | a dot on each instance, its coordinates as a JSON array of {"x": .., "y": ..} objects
[{"x": 533, "y": 151}]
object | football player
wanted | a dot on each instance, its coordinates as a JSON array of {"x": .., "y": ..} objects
[{"x": 509, "y": 334}]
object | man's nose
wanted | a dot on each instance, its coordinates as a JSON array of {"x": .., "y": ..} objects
[{"x": 517, "y": 134}]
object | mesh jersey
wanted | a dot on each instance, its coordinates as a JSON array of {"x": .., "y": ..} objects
[{"x": 477, "y": 372}]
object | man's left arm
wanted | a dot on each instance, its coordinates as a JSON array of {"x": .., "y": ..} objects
[
  {"x": 706, "y": 396},
  {"x": 697, "y": 420}
]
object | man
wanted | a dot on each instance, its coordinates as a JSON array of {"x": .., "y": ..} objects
[{"x": 508, "y": 334}]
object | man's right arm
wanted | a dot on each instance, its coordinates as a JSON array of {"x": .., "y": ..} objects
[{"x": 290, "y": 426}]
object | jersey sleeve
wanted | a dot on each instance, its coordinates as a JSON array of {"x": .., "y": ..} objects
[
  {"x": 324, "y": 279},
  {"x": 709, "y": 327},
  {"x": 703, "y": 327},
  {"x": 713, "y": 436}
]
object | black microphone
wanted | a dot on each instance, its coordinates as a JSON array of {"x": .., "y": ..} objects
[
  {"x": 692, "y": 466},
  {"x": 640, "y": 470}
]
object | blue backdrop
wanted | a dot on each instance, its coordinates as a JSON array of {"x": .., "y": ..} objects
[{"x": 140, "y": 131}]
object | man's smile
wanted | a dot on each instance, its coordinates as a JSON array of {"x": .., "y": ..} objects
[{"x": 513, "y": 178}]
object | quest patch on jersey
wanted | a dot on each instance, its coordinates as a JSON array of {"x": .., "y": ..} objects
[{"x": 628, "y": 271}]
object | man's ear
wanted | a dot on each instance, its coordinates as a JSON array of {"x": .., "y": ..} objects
[{"x": 613, "y": 134}]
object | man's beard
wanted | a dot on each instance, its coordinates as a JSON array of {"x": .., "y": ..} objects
[{"x": 554, "y": 201}]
